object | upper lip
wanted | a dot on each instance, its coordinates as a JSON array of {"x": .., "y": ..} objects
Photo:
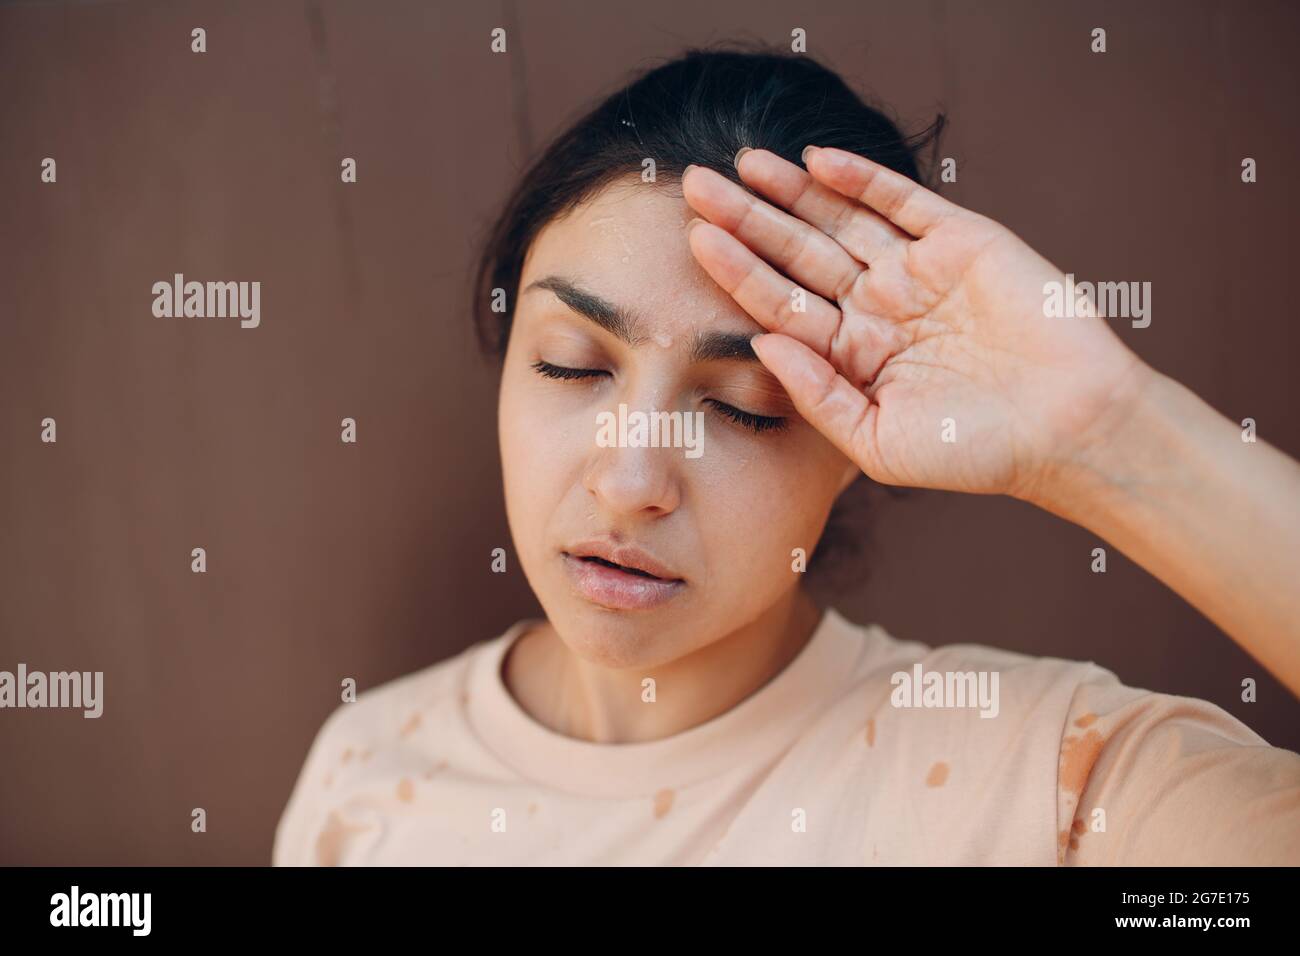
[{"x": 629, "y": 556}]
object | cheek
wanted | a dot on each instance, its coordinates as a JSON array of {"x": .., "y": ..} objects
[
  {"x": 757, "y": 507},
  {"x": 541, "y": 451}
]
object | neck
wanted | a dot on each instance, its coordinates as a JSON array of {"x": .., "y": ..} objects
[{"x": 587, "y": 701}]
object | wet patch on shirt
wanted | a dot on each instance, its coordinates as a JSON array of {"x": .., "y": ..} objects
[
  {"x": 437, "y": 768},
  {"x": 938, "y": 775},
  {"x": 1086, "y": 720},
  {"x": 333, "y": 836},
  {"x": 663, "y": 803},
  {"x": 871, "y": 731},
  {"x": 405, "y": 790},
  {"x": 411, "y": 725},
  {"x": 1077, "y": 829},
  {"x": 1069, "y": 838},
  {"x": 1078, "y": 754}
]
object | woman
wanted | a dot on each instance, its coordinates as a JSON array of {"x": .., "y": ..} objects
[{"x": 684, "y": 701}]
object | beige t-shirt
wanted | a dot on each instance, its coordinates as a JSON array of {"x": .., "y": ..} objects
[{"x": 834, "y": 761}]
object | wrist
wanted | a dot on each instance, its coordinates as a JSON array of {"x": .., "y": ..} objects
[{"x": 1118, "y": 454}]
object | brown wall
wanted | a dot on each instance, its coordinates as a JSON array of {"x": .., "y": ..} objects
[{"x": 328, "y": 560}]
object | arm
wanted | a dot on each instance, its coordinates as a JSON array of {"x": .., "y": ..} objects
[{"x": 1216, "y": 518}]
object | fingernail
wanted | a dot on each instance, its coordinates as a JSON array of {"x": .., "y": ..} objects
[
  {"x": 806, "y": 150},
  {"x": 691, "y": 225},
  {"x": 687, "y": 170},
  {"x": 739, "y": 153}
]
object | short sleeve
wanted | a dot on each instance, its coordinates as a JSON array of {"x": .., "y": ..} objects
[
  {"x": 302, "y": 816},
  {"x": 1149, "y": 779}
]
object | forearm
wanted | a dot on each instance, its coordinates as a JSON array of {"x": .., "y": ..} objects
[{"x": 1173, "y": 486}]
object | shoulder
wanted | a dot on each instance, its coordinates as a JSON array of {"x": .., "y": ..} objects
[
  {"x": 960, "y": 717},
  {"x": 975, "y": 720},
  {"x": 939, "y": 755},
  {"x": 1107, "y": 772},
  {"x": 345, "y": 745},
  {"x": 973, "y": 691},
  {"x": 1148, "y": 778}
]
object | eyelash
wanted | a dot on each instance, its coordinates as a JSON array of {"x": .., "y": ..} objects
[
  {"x": 567, "y": 374},
  {"x": 755, "y": 423}
]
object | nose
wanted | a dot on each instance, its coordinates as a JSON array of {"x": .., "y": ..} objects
[{"x": 635, "y": 481}]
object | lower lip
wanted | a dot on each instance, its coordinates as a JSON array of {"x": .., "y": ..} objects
[{"x": 619, "y": 590}]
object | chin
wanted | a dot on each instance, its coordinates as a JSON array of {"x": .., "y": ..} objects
[{"x": 617, "y": 639}]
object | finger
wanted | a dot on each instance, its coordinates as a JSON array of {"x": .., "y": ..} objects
[
  {"x": 907, "y": 204},
  {"x": 864, "y": 234},
  {"x": 807, "y": 255},
  {"x": 761, "y": 291},
  {"x": 823, "y": 397}
]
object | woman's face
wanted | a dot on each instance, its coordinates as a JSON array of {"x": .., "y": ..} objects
[{"x": 613, "y": 311}]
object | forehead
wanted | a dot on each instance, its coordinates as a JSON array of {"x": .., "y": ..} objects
[{"x": 628, "y": 245}]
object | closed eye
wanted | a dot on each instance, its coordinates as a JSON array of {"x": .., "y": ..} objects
[
  {"x": 567, "y": 374},
  {"x": 757, "y": 423}
]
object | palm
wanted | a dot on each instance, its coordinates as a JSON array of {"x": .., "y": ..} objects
[
  {"x": 978, "y": 363},
  {"x": 968, "y": 385}
]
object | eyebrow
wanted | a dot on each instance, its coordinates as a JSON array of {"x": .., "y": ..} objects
[
  {"x": 716, "y": 346},
  {"x": 618, "y": 322},
  {"x": 622, "y": 323}
]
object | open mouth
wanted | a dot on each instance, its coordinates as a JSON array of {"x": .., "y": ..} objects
[
  {"x": 592, "y": 559},
  {"x": 637, "y": 582}
]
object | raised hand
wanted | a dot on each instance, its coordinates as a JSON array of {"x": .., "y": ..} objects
[{"x": 923, "y": 350}]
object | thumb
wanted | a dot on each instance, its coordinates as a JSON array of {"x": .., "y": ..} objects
[{"x": 822, "y": 396}]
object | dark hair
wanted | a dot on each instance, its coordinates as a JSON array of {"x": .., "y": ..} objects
[{"x": 699, "y": 108}]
